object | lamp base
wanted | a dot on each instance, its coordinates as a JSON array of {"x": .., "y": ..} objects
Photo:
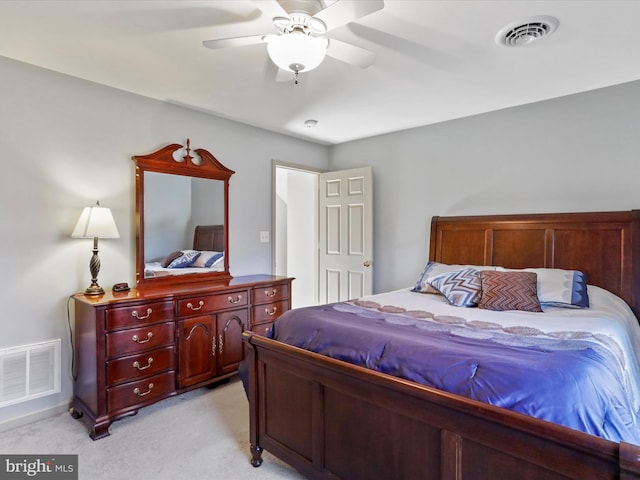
[
  {"x": 94, "y": 289},
  {"x": 94, "y": 267}
]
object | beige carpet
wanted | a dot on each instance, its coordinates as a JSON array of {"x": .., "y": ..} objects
[{"x": 200, "y": 435}]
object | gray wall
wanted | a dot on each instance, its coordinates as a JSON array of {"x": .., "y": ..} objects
[
  {"x": 64, "y": 144},
  {"x": 575, "y": 153}
]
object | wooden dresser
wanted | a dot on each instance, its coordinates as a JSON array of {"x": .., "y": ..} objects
[{"x": 134, "y": 348}]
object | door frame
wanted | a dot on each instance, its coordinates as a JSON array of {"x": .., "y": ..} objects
[{"x": 275, "y": 165}]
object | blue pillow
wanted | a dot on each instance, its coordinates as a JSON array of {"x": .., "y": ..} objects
[
  {"x": 461, "y": 288},
  {"x": 207, "y": 259},
  {"x": 184, "y": 260}
]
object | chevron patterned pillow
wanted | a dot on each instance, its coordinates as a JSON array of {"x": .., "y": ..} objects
[
  {"x": 461, "y": 288},
  {"x": 509, "y": 291}
]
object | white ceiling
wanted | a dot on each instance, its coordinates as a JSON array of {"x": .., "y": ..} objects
[{"x": 436, "y": 60}]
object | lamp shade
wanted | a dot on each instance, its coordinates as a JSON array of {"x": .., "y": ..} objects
[
  {"x": 297, "y": 51},
  {"x": 96, "y": 222}
]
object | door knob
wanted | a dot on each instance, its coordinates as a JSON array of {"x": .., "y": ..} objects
[{"x": 367, "y": 263}]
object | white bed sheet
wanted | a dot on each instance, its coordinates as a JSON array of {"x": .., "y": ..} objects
[{"x": 608, "y": 321}]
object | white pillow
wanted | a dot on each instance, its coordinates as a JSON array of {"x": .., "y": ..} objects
[
  {"x": 208, "y": 259},
  {"x": 560, "y": 288}
]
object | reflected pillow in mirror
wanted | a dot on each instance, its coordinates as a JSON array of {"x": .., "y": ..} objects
[
  {"x": 170, "y": 258},
  {"x": 185, "y": 260},
  {"x": 207, "y": 259}
]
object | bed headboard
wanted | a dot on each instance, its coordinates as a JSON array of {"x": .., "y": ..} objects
[
  {"x": 604, "y": 245},
  {"x": 209, "y": 238}
]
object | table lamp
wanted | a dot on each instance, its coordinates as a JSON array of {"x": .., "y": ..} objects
[{"x": 95, "y": 222}]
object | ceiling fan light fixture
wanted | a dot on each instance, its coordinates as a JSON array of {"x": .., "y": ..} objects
[{"x": 297, "y": 50}]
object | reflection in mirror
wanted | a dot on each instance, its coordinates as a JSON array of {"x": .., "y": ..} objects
[
  {"x": 174, "y": 206},
  {"x": 182, "y": 217}
]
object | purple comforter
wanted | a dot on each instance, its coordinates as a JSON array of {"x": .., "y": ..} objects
[{"x": 574, "y": 383}]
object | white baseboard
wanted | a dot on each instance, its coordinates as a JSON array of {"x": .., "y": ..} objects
[{"x": 33, "y": 417}]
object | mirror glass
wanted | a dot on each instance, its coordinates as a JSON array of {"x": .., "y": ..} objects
[
  {"x": 173, "y": 206},
  {"x": 181, "y": 217}
]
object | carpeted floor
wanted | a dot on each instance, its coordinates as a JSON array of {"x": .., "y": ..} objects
[{"x": 200, "y": 435}]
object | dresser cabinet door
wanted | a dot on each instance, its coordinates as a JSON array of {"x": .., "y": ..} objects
[
  {"x": 197, "y": 345},
  {"x": 230, "y": 344}
]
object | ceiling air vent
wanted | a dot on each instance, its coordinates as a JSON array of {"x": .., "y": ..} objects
[{"x": 526, "y": 31}]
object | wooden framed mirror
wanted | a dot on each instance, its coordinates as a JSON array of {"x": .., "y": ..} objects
[{"x": 182, "y": 217}]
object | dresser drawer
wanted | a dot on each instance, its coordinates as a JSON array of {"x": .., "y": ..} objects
[
  {"x": 132, "y": 393},
  {"x": 211, "y": 303},
  {"x": 270, "y": 293},
  {"x": 143, "y": 314},
  {"x": 141, "y": 339},
  {"x": 269, "y": 311},
  {"x": 262, "y": 329},
  {"x": 140, "y": 365}
]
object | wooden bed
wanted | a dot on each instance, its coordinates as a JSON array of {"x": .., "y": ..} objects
[
  {"x": 333, "y": 420},
  {"x": 209, "y": 238}
]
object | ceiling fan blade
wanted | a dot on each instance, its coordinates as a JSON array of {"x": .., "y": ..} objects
[
  {"x": 345, "y": 11},
  {"x": 348, "y": 53},
  {"x": 233, "y": 41},
  {"x": 271, "y": 8}
]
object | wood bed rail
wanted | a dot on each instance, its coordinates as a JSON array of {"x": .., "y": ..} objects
[{"x": 333, "y": 420}]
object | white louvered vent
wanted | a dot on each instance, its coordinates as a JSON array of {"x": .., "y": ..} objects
[
  {"x": 29, "y": 371},
  {"x": 526, "y": 31}
]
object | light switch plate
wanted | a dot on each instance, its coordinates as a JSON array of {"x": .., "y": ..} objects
[{"x": 264, "y": 237}]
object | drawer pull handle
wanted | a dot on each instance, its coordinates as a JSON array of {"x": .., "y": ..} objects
[
  {"x": 136, "y": 364},
  {"x": 271, "y": 312},
  {"x": 271, "y": 293},
  {"x": 136, "y": 339},
  {"x": 237, "y": 299},
  {"x": 137, "y": 391},
  {"x": 221, "y": 343},
  {"x": 137, "y": 315},
  {"x": 195, "y": 309}
]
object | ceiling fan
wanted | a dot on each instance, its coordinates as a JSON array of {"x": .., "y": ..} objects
[{"x": 300, "y": 42}]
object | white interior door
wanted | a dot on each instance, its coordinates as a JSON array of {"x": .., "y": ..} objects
[{"x": 346, "y": 234}]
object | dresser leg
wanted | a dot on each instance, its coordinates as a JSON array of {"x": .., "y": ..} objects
[
  {"x": 99, "y": 430},
  {"x": 77, "y": 414},
  {"x": 256, "y": 455}
]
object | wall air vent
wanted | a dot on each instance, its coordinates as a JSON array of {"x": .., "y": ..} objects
[
  {"x": 29, "y": 371},
  {"x": 526, "y": 31}
]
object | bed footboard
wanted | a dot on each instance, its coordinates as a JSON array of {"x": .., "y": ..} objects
[{"x": 333, "y": 420}]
